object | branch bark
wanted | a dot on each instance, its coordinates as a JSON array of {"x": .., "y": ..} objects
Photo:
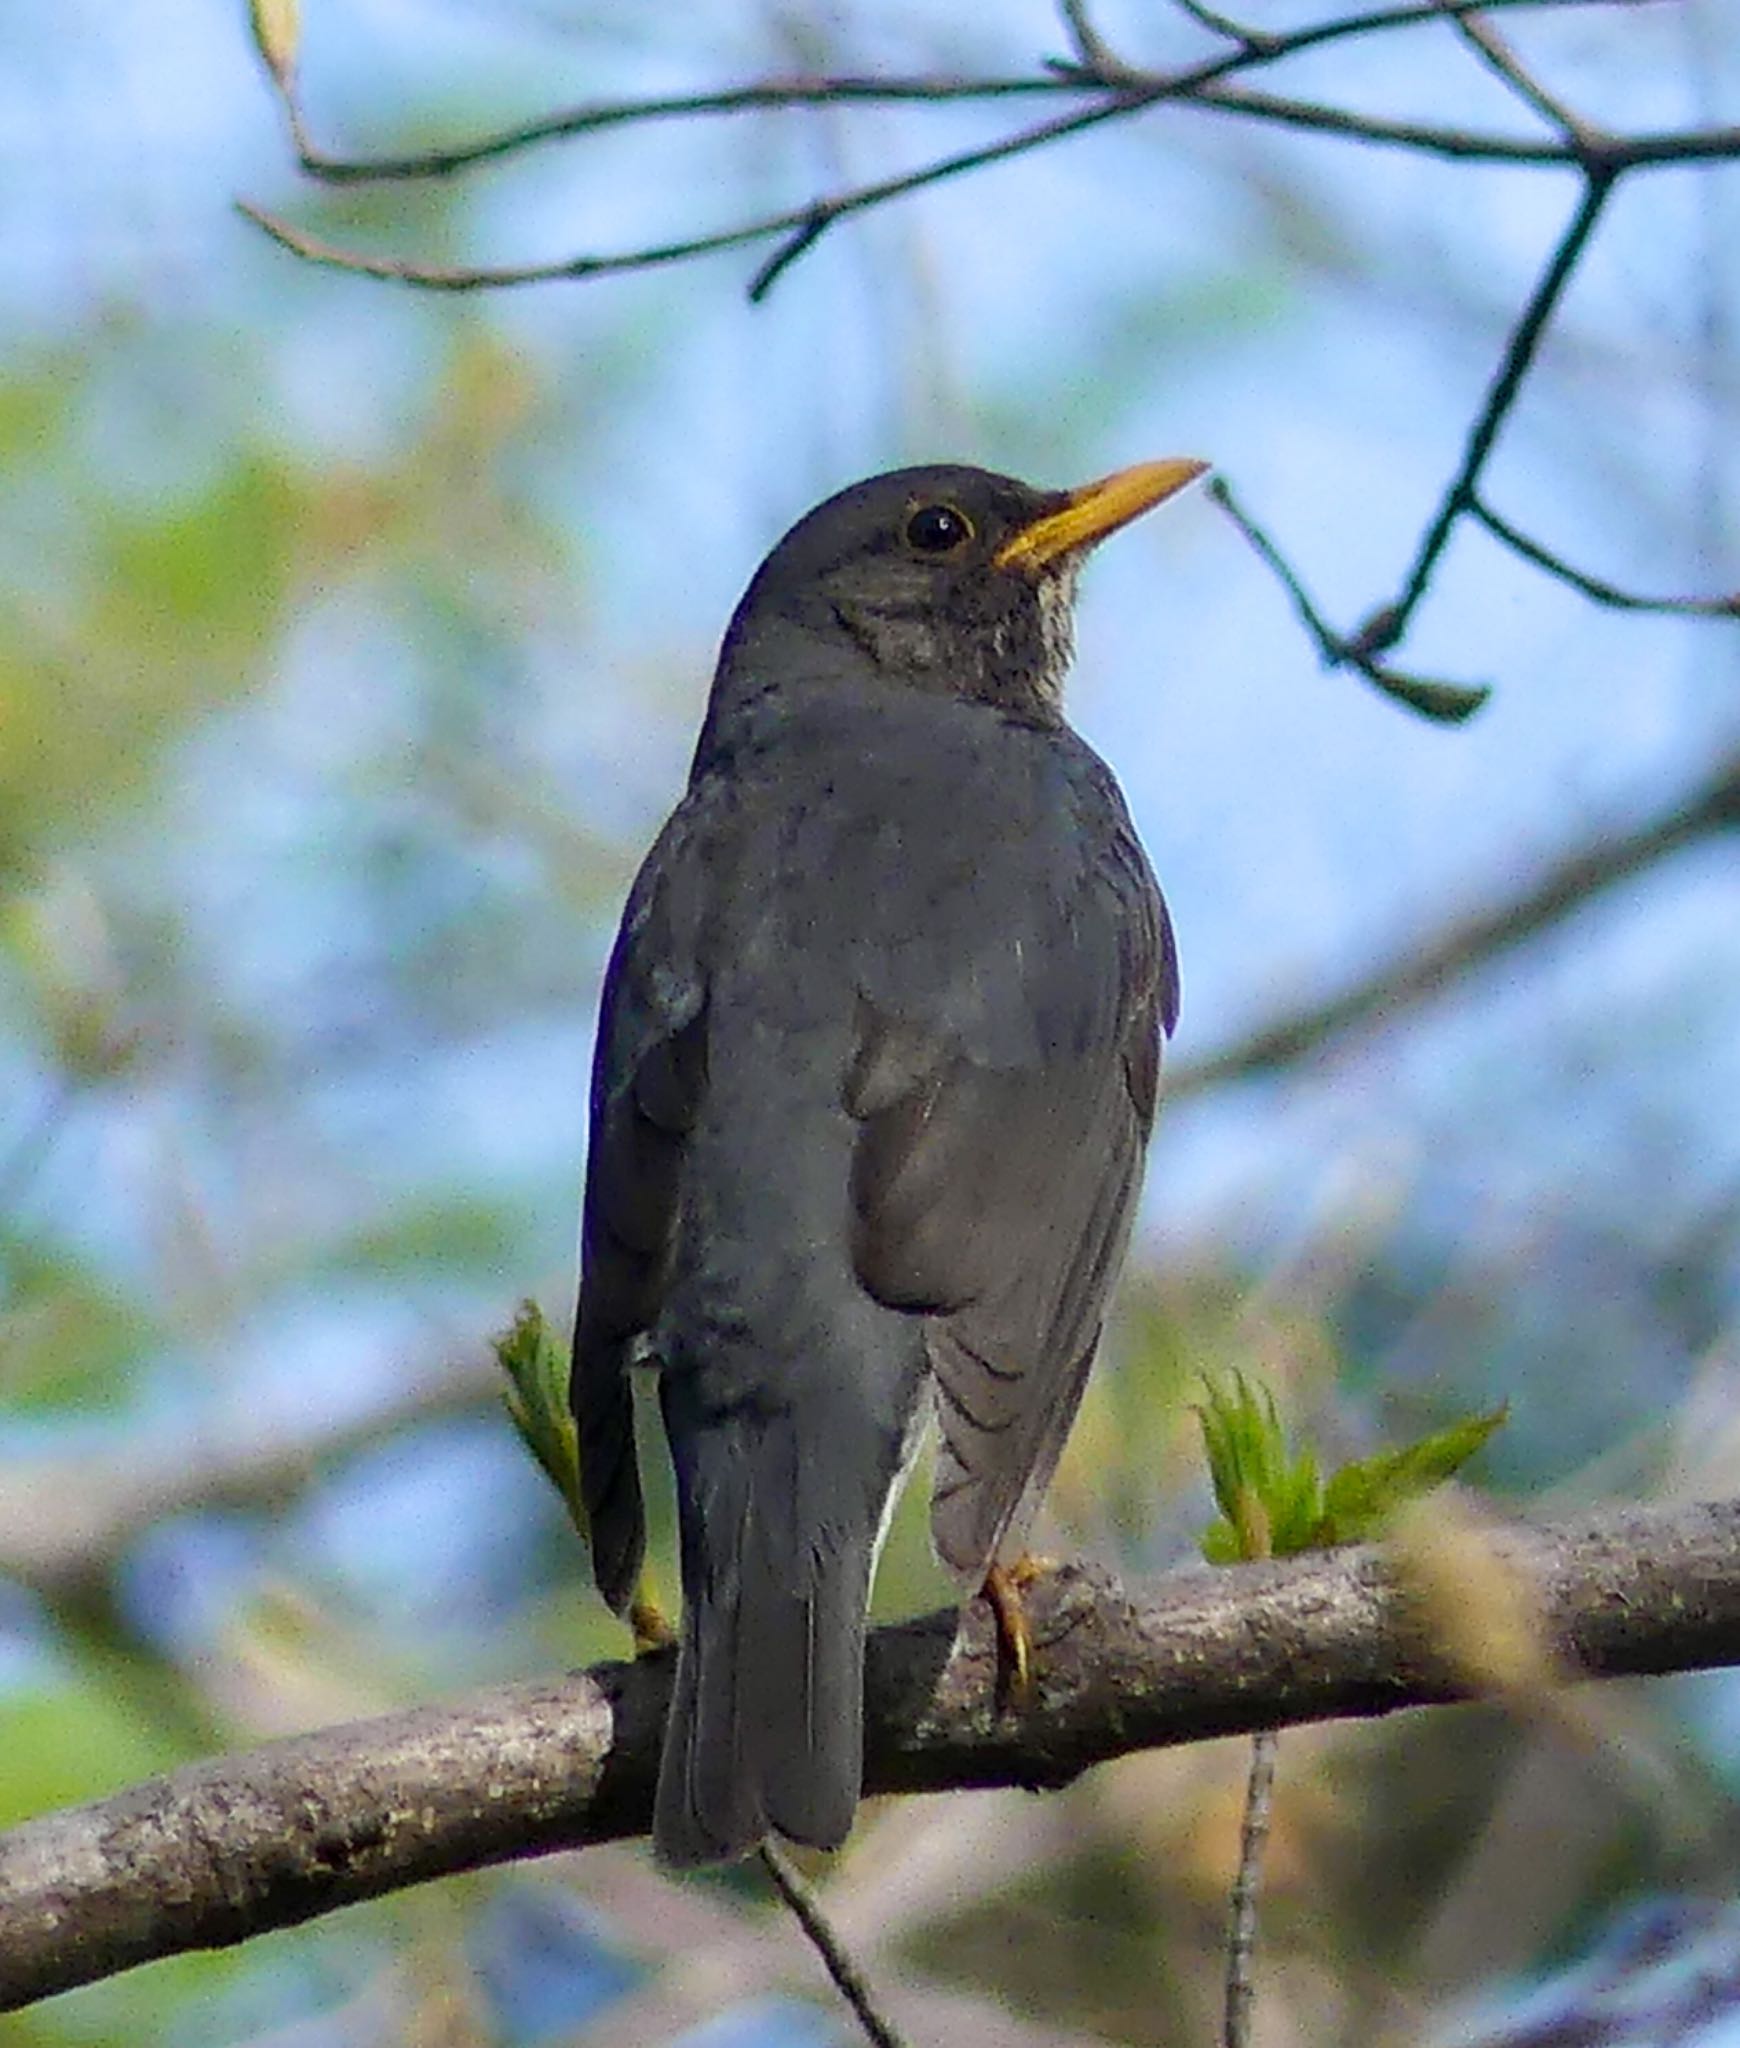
[{"x": 228, "y": 1849}]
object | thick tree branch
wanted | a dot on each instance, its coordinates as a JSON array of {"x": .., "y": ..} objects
[{"x": 228, "y": 1849}]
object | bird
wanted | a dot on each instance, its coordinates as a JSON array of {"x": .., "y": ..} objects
[{"x": 877, "y": 1059}]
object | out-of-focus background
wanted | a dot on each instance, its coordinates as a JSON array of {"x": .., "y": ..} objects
[{"x": 353, "y": 643}]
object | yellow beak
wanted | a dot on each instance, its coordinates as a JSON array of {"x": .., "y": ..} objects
[{"x": 1095, "y": 510}]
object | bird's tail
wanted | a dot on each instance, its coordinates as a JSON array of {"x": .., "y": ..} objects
[{"x": 766, "y": 1721}]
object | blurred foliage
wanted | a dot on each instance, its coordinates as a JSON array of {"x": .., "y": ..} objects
[{"x": 127, "y": 622}]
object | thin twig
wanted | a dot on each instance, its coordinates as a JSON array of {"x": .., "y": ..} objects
[
  {"x": 1596, "y": 588},
  {"x": 1094, "y": 55},
  {"x": 440, "y": 278},
  {"x": 1241, "y": 1938},
  {"x": 1615, "y": 153},
  {"x": 1433, "y": 696},
  {"x": 1386, "y": 626},
  {"x": 1457, "y": 145},
  {"x": 1114, "y": 90},
  {"x": 803, "y": 224},
  {"x": 804, "y": 1907},
  {"x": 796, "y": 244},
  {"x": 1115, "y": 96},
  {"x": 761, "y": 96},
  {"x": 1330, "y": 644},
  {"x": 1500, "y": 59},
  {"x": 1252, "y": 48},
  {"x": 1454, "y": 145},
  {"x": 1220, "y": 24}
]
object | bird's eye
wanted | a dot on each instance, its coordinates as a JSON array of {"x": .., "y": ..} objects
[{"x": 938, "y": 530}]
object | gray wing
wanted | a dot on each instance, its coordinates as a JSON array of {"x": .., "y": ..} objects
[
  {"x": 1004, "y": 1115},
  {"x": 648, "y": 1075}
]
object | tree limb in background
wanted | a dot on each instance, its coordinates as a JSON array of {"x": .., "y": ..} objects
[
  {"x": 65, "y": 1524},
  {"x": 1468, "y": 943},
  {"x": 231, "y": 1848}
]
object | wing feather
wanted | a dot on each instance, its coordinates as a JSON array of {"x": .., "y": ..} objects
[
  {"x": 648, "y": 1075},
  {"x": 997, "y": 1196}
]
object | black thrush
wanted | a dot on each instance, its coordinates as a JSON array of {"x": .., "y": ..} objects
[{"x": 876, "y": 1065}]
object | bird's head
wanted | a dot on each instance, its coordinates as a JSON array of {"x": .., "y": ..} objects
[{"x": 942, "y": 578}]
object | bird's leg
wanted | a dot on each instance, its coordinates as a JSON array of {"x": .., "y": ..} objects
[{"x": 1004, "y": 1585}]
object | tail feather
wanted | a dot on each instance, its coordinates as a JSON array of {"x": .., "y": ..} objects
[{"x": 766, "y": 1722}]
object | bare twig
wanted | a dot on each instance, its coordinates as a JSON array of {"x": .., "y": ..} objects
[
  {"x": 1095, "y": 75},
  {"x": 228, "y": 1849},
  {"x": 909, "y": 1866},
  {"x": 1114, "y": 94},
  {"x": 1454, "y": 145},
  {"x": 1241, "y": 1940},
  {"x": 1220, "y": 24},
  {"x": 1596, "y": 588},
  {"x": 1385, "y": 627},
  {"x": 1434, "y": 697},
  {"x": 831, "y": 89},
  {"x": 1500, "y": 59},
  {"x": 1095, "y": 59},
  {"x": 847, "y": 1978},
  {"x": 1112, "y": 90}
]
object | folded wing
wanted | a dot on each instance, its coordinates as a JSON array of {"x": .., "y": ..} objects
[{"x": 997, "y": 1168}]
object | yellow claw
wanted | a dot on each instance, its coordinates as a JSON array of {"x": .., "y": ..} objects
[{"x": 1004, "y": 1585}]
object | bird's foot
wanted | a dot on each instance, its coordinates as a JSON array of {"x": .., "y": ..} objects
[{"x": 1003, "y": 1588}]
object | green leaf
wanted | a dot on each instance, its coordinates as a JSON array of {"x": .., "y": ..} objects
[
  {"x": 1270, "y": 1497},
  {"x": 1363, "y": 1496},
  {"x": 1273, "y": 1503},
  {"x": 277, "y": 33},
  {"x": 537, "y": 1402}
]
